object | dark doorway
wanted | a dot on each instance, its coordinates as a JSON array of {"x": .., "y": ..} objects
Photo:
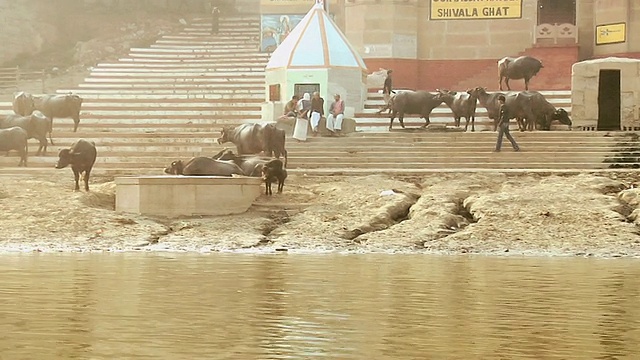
[
  {"x": 609, "y": 100},
  {"x": 556, "y": 11}
]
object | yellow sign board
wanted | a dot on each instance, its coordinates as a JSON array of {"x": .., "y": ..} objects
[
  {"x": 475, "y": 9},
  {"x": 288, "y": 2},
  {"x": 611, "y": 33}
]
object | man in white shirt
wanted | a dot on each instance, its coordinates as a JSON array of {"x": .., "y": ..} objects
[{"x": 336, "y": 114}]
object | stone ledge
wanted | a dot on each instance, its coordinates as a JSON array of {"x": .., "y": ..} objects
[{"x": 174, "y": 196}]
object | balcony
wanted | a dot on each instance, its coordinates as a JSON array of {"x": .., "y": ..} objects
[{"x": 556, "y": 34}]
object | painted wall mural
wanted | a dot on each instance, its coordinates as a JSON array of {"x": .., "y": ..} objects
[{"x": 275, "y": 28}]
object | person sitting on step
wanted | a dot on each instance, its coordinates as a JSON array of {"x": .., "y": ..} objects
[{"x": 336, "y": 115}]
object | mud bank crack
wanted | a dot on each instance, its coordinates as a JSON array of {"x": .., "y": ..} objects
[
  {"x": 274, "y": 221},
  {"x": 388, "y": 216}
]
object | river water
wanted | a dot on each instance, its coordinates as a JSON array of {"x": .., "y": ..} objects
[{"x": 286, "y": 306}]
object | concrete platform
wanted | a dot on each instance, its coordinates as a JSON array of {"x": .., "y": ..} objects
[{"x": 174, "y": 196}]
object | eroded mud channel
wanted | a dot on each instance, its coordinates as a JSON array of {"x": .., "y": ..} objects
[{"x": 488, "y": 213}]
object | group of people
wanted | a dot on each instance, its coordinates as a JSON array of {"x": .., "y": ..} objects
[
  {"x": 503, "y": 120},
  {"x": 311, "y": 109}
]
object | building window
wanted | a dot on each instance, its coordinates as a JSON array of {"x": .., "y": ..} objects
[
  {"x": 300, "y": 89},
  {"x": 274, "y": 92}
]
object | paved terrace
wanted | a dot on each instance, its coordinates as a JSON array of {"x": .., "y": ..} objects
[{"x": 170, "y": 100}]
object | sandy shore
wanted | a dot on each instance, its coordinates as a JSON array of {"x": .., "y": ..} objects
[{"x": 453, "y": 213}]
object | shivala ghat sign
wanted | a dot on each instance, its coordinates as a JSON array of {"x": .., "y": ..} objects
[
  {"x": 611, "y": 33},
  {"x": 475, "y": 9}
]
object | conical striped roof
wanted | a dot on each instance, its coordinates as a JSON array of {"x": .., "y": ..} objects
[{"x": 316, "y": 42}]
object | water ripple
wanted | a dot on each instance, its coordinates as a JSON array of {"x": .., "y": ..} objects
[{"x": 232, "y": 306}]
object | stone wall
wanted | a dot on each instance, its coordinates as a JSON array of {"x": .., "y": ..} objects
[{"x": 584, "y": 94}]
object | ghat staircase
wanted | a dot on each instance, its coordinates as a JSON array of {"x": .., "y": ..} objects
[{"x": 170, "y": 100}]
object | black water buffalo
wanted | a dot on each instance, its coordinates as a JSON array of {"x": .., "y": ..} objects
[
  {"x": 60, "y": 106},
  {"x": 523, "y": 67},
  {"x": 414, "y": 102},
  {"x": 203, "y": 166},
  {"x": 15, "y": 138},
  {"x": 531, "y": 109},
  {"x": 36, "y": 125},
  {"x": 273, "y": 171},
  {"x": 23, "y": 103},
  {"x": 463, "y": 105},
  {"x": 490, "y": 102},
  {"x": 256, "y": 138},
  {"x": 81, "y": 156},
  {"x": 248, "y": 163}
]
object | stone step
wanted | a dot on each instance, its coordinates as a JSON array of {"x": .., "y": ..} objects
[
  {"x": 197, "y": 80},
  {"x": 206, "y": 46},
  {"x": 152, "y": 105},
  {"x": 138, "y": 168},
  {"x": 247, "y": 61},
  {"x": 228, "y": 93},
  {"x": 149, "y": 69},
  {"x": 204, "y": 43},
  {"x": 178, "y": 74},
  {"x": 238, "y": 81},
  {"x": 113, "y": 172},
  {"x": 178, "y": 86},
  {"x": 187, "y": 68},
  {"x": 195, "y": 51}
]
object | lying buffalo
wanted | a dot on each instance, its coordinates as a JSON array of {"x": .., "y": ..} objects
[
  {"x": 36, "y": 125},
  {"x": 81, "y": 156},
  {"x": 203, "y": 166},
  {"x": 414, "y": 102},
  {"x": 248, "y": 163},
  {"x": 23, "y": 103},
  {"x": 523, "y": 67},
  {"x": 60, "y": 106},
  {"x": 255, "y": 139},
  {"x": 15, "y": 138}
]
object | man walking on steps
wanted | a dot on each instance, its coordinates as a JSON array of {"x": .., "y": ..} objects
[{"x": 503, "y": 126}]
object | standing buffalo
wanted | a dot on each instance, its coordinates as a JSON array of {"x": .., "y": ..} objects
[
  {"x": 414, "y": 102},
  {"x": 491, "y": 103},
  {"x": 23, "y": 103},
  {"x": 273, "y": 171},
  {"x": 256, "y": 138},
  {"x": 531, "y": 109},
  {"x": 60, "y": 106},
  {"x": 523, "y": 67},
  {"x": 463, "y": 105},
  {"x": 203, "y": 166},
  {"x": 36, "y": 125},
  {"x": 81, "y": 156},
  {"x": 15, "y": 138}
]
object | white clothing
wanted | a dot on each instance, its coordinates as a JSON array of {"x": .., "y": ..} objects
[
  {"x": 334, "y": 124},
  {"x": 315, "y": 120},
  {"x": 300, "y": 130}
]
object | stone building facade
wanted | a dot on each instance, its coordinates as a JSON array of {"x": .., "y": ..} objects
[{"x": 442, "y": 43}]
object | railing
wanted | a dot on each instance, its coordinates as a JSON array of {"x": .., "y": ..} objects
[
  {"x": 556, "y": 33},
  {"x": 13, "y": 78}
]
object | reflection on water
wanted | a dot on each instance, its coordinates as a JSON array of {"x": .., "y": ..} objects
[{"x": 174, "y": 306}]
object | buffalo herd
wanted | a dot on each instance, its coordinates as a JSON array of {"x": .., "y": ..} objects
[
  {"x": 530, "y": 108},
  {"x": 251, "y": 140},
  {"x": 260, "y": 146},
  {"x": 33, "y": 119}
]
